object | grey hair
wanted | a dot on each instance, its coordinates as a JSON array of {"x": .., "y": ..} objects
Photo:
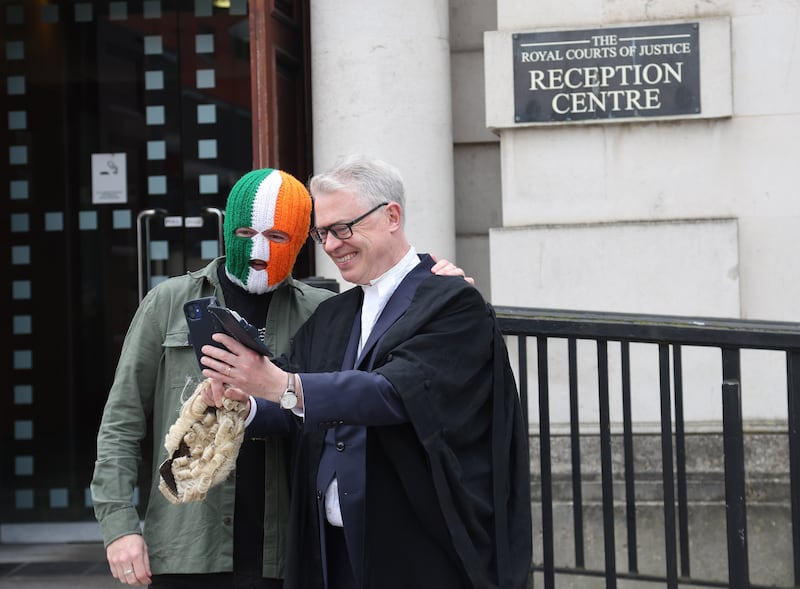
[{"x": 373, "y": 181}]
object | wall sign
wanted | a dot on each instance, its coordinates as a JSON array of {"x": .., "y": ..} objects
[
  {"x": 608, "y": 73},
  {"x": 109, "y": 178}
]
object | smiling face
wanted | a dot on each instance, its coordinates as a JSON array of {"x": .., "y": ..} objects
[
  {"x": 266, "y": 224},
  {"x": 377, "y": 242}
]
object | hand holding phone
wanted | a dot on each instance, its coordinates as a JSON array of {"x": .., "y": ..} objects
[
  {"x": 205, "y": 317},
  {"x": 239, "y": 329}
]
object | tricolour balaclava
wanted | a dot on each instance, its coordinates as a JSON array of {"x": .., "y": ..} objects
[{"x": 265, "y": 199}]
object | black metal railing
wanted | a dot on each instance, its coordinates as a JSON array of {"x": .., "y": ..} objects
[{"x": 673, "y": 336}]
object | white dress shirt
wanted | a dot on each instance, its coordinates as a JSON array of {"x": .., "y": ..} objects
[{"x": 376, "y": 294}]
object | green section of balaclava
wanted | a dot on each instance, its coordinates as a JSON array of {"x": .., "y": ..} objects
[{"x": 239, "y": 213}]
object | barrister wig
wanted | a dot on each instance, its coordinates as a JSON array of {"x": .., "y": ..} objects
[{"x": 202, "y": 446}]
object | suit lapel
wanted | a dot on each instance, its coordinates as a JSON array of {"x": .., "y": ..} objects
[
  {"x": 395, "y": 307},
  {"x": 349, "y": 360},
  {"x": 335, "y": 328}
]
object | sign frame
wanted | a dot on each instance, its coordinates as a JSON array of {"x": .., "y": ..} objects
[
  {"x": 614, "y": 72},
  {"x": 716, "y": 90},
  {"x": 109, "y": 178}
]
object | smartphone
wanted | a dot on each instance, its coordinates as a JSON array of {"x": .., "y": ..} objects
[
  {"x": 239, "y": 329},
  {"x": 205, "y": 317},
  {"x": 202, "y": 324}
]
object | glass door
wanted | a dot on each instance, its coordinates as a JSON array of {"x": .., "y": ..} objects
[{"x": 127, "y": 124}]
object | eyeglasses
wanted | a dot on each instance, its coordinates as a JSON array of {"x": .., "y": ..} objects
[{"x": 341, "y": 230}]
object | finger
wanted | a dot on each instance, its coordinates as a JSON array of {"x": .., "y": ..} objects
[
  {"x": 220, "y": 393},
  {"x": 217, "y": 392},
  {"x": 447, "y": 268},
  {"x": 127, "y": 574},
  {"x": 231, "y": 348},
  {"x": 219, "y": 366},
  {"x": 147, "y": 572},
  {"x": 231, "y": 343},
  {"x": 207, "y": 394},
  {"x": 439, "y": 266},
  {"x": 215, "y": 352},
  {"x": 136, "y": 576},
  {"x": 237, "y": 395},
  {"x": 120, "y": 568}
]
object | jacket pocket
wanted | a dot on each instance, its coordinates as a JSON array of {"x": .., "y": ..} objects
[{"x": 180, "y": 360}]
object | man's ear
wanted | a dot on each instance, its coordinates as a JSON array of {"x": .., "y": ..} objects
[{"x": 395, "y": 214}]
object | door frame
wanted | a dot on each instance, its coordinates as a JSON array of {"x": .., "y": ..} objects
[{"x": 280, "y": 33}]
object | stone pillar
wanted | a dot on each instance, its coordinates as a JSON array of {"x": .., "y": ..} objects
[{"x": 380, "y": 85}]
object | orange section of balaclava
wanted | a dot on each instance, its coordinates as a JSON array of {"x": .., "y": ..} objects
[{"x": 265, "y": 199}]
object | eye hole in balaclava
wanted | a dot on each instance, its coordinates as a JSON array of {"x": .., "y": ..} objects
[{"x": 265, "y": 199}]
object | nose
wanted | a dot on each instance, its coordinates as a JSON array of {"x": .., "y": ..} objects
[{"x": 331, "y": 242}]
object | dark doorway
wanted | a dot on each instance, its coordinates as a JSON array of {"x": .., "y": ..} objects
[{"x": 128, "y": 122}]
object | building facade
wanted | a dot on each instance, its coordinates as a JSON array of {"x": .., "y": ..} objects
[{"x": 692, "y": 211}]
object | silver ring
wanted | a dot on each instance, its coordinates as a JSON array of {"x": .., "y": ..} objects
[
  {"x": 229, "y": 370},
  {"x": 128, "y": 572}
]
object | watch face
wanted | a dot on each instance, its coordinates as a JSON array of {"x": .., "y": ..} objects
[{"x": 288, "y": 400}]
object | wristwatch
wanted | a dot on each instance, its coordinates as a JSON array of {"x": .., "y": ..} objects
[{"x": 289, "y": 396}]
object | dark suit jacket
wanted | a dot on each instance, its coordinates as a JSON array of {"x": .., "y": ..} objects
[{"x": 444, "y": 497}]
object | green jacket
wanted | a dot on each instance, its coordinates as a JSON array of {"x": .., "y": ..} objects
[{"x": 157, "y": 370}]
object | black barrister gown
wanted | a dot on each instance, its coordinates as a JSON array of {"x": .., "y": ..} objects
[{"x": 448, "y": 493}]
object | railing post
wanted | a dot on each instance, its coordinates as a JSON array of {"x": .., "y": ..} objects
[
  {"x": 667, "y": 477},
  {"x": 575, "y": 445},
  {"x": 733, "y": 446},
  {"x": 606, "y": 474},
  {"x": 522, "y": 367},
  {"x": 548, "y": 551},
  {"x": 793, "y": 386},
  {"x": 680, "y": 463},
  {"x": 630, "y": 473}
]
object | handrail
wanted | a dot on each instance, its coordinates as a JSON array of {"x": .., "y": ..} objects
[
  {"x": 220, "y": 216},
  {"x": 143, "y": 218},
  {"x": 697, "y": 331},
  {"x": 671, "y": 334}
]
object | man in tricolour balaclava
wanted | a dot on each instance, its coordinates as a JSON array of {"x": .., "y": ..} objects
[{"x": 234, "y": 537}]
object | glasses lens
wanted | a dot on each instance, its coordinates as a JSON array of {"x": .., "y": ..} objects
[{"x": 342, "y": 231}]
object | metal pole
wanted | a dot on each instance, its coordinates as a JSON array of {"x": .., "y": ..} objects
[
  {"x": 606, "y": 475},
  {"x": 142, "y": 218},
  {"x": 548, "y": 551},
  {"x": 667, "y": 477},
  {"x": 793, "y": 386},
  {"x": 733, "y": 446},
  {"x": 220, "y": 215}
]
